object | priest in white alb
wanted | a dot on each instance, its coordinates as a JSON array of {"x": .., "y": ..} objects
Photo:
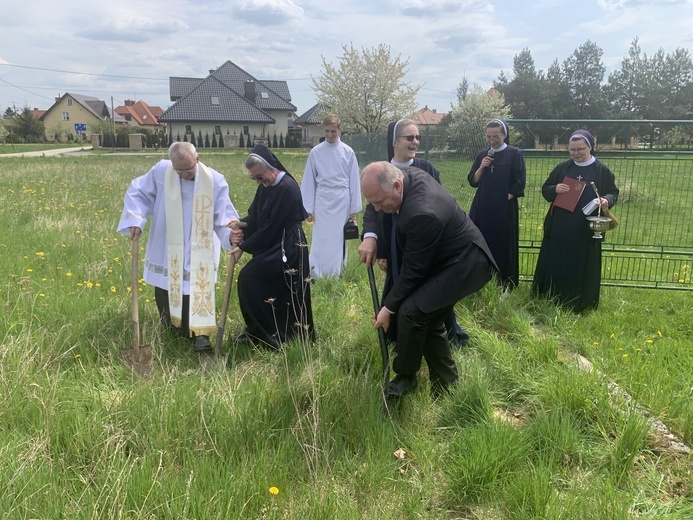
[
  {"x": 190, "y": 208},
  {"x": 331, "y": 192}
]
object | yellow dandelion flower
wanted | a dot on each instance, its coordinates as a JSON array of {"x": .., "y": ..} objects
[
  {"x": 274, "y": 490},
  {"x": 77, "y": 356},
  {"x": 40, "y": 253},
  {"x": 113, "y": 289},
  {"x": 659, "y": 333},
  {"x": 68, "y": 274},
  {"x": 29, "y": 270},
  {"x": 43, "y": 279},
  {"x": 596, "y": 343},
  {"x": 649, "y": 341},
  {"x": 42, "y": 295},
  {"x": 90, "y": 285},
  {"x": 97, "y": 284},
  {"x": 78, "y": 232},
  {"x": 612, "y": 336},
  {"x": 625, "y": 355}
]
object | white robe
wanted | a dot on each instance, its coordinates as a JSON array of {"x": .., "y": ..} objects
[
  {"x": 145, "y": 198},
  {"x": 331, "y": 191}
]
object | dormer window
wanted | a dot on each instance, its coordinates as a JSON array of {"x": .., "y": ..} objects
[
  {"x": 215, "y": 100},
  {"x": 264, "y": 95}
]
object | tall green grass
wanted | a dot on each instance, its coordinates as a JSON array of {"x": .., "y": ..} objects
[{"x": 524, "y": 435}]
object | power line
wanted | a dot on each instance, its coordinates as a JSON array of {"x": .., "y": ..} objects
[
  {"x": 82, "y": 73},
  {"x": 25, "y": 90}
]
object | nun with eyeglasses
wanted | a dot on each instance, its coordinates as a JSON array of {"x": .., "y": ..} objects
[
  {"x": 274, "y": 286},
  {"x": 499, "y": 176},
  {"x": 570, "y": 259}
]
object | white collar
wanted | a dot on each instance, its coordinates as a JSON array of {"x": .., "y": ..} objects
[
  {"x": 585, "y": 163},
  {"x": 500, "y": 148},
  {"x": 402, "y": 164},
  {"x": 280, "y": 175}
]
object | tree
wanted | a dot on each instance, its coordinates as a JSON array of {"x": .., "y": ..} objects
[
  {"x": 462, "y": 90},
  {"x": 10, "y": 113},
  {"x": 28, "y": 127},
  {"x": 527, "y": 93},
  {"x": 367, "y": 88},
  {"x": 583, "y": 73},
  {"x": 477, "y": 108},
  {"x": 214, "y": 140},
  {"x": 627, "y": 86}
]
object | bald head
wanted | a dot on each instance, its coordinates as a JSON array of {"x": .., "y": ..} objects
[{"x": 381, "y": 185}]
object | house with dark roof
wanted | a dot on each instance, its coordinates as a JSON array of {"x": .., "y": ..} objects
[
  {"x": 73, "y": 114},
  {"x": 139, "y": 113},
  {"x": 228, "y": 102},
  {"x": 310, "y": 124}
]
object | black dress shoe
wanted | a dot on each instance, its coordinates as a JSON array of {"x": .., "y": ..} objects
[
  {"x": 202, "y": 344},
  {"x": 242, "y": 339},
  {"x": 401, "y": 385},
  {"x": 458, "y": 340}
]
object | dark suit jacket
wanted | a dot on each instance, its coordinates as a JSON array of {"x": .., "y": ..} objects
[{"x": 444, "y": 255}]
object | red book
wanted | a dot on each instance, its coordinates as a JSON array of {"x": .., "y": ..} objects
[{"x": 569, "y": 199}]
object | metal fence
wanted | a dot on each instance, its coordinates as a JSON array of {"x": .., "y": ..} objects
[{"x": 652, "y": 247}]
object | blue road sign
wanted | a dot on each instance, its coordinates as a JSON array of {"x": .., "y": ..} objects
[{"x": 80, "y": 127}]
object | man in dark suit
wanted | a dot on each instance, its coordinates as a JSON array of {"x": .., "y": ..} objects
[{"x": 444, "y": 258}]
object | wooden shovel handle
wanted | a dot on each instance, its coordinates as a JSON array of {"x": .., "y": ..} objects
[{"x": 134, "y": 279}]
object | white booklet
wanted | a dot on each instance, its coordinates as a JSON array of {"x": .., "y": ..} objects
[{"x": 590, "y": 207}]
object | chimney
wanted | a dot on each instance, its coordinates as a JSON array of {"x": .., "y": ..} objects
[
  {"x": 58, "y": 97},
  {"x": 249, "y": 90},
  {"x": 129, "y": 102},
  {"x": 435, "y": 111}
]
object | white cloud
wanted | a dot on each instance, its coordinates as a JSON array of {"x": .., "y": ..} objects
[{"x": 268, "y": 12}]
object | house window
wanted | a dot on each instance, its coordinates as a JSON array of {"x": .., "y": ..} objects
[
  {"x": 215, "y": 100},
  {"x": 66, "y": 116},
  {"x": 217, "y": 130},
  {"x": 188, "y": 129},
  {"x": 246, "y": 130},
  {"x": 264, "y": 95},
  {"x": 69, "y": 102}
]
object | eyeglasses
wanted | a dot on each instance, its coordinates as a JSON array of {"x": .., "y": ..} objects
[
  {"x": 258, "y": 176},
  {"x": 577, "y": 150},
  {"x": 192, "y": 169},
  {"x": 411, "y": 138}
]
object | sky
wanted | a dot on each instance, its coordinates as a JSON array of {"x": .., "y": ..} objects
[{"x": 128, "y": 49}]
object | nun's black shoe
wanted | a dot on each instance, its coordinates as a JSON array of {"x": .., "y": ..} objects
[
  {"x": 401, "y": 385},
  {"x": 202, "y": 344},
  {"x": 242, "y": 339}
]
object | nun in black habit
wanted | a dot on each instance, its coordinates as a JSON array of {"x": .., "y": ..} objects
[
  {"x": 499, "y": 175},
  {"x": 274, "y": 286},
  {"x": 570, "y": 259},
  {"x": 403, "y": 141}
]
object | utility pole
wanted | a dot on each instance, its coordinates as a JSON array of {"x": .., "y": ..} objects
[{"x": 112, "y": 127}]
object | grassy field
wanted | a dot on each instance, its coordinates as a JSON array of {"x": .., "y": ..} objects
[{"x": 298, "y": 434}]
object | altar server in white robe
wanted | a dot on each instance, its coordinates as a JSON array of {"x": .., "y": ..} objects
[
  {"x": 331, "y": 191},
  {"x": 190, "y": 208}
]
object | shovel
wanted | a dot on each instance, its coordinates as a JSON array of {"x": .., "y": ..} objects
[
  {"x": 384, "y": 353},
  {"x": 139, "y": 357},
  {"x": 225, "y": 307}
]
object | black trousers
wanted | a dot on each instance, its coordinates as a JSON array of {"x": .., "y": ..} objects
[
  {"x": 423, "y": 335},
  {"x": 161, "y": 298}
]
